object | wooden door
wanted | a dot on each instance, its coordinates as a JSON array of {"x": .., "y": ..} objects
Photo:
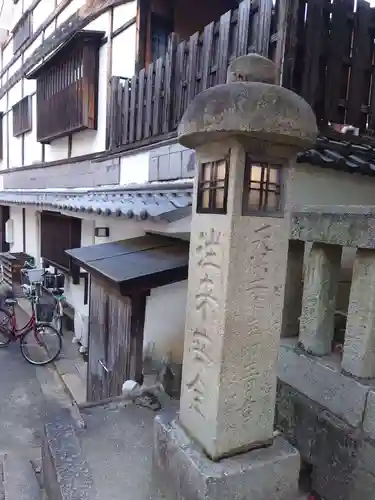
[
  {"x": 115, "y": 341},
  {"x": 97, "y": 378}
]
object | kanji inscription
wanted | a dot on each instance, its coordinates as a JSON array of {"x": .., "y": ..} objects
[{"x": 206, "y": 305}]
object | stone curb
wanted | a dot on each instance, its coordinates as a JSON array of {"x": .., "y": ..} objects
[
  {"x": 66, "y": 473},
  {"x": 20, "y": 482},
  {"x": 76, "y": 414},
  {"x": 324, "y": 383}
]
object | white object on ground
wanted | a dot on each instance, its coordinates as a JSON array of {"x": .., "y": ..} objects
[{"x": 130, "y": 388}]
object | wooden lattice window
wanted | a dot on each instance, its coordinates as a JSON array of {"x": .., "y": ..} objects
[
  {"x": 22, "y": 117},
  {"x": 213, "y": 187},
  {"x": 67, "y": 88},
  {"x": 262, "y": 187},
  {"x": 22, "y": 31}
]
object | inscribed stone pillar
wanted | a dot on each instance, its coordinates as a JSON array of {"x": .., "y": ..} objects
[
  {"x": 319, "y": 298},
  {"x": 245, "y": 133},
  {"x": 234, "y": 310},
  {"x": 359, "y": 347}
]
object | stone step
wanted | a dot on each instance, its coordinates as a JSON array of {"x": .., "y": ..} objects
[{"x": 20, "y": 481}]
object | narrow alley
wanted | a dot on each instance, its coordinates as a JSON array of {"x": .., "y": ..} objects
[{"x": 28, "y": 395}]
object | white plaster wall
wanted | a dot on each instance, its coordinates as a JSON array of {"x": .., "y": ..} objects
[
  {"x": 309, "y": 185},
  {"x": 15, "y": 94},
  {"x": 119, "y": 229},
  {"x": 134, "y": 168},
  {"x": 74, "y": 296},
  {"x": 15, "y": 66},
  {"x": 3, "y": 161},
  {"x": 32, "y": 219},
  {"x": 123, "y": 13},
  {"x": 124, "y": 52},
  {"x": 57, "y": 150},
  {"x": 15, "y": 213},
  {"x": 165, "y": 322},
  {"x": 41, "y": 12},
  {"x": 7, "y": 53}
]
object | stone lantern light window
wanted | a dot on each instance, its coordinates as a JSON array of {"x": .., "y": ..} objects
[
  {"x": 262, "y": 187},
  {"x": 213, "y": 187}
]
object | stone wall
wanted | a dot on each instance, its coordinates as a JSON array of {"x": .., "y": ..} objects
[
  {"x": 343, "y": 457},
  {"x": 329, "y": 418}
]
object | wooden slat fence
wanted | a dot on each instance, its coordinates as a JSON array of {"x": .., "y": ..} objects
[
  {"x": 329, "y": 60},
  {"x": 152, "y": 103},
  {"x": 324, "y": 50}
]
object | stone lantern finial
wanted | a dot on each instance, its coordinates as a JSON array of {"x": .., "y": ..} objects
[{"x": 252, "y": 68}]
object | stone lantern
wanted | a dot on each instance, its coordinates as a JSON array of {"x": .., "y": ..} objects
[{"x": 222, "y": 446}]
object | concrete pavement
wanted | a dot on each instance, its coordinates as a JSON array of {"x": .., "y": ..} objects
[{"x": 22, "y": 403}]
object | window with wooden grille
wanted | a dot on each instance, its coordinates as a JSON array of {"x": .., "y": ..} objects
[
  {"x": 262, "y": 187},
  {"x": 67, "y": 88},
  {"x": 22, "y": 119},
  {"x": 22, "y": 31},
  {"x": 213, "y": 187},
  {"x": 60, "y": 233}
]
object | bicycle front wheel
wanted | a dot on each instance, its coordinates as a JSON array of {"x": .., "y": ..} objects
[
  {"x": 5, "y": 327},
  {"x": 42, "y": 345},
  {"x": 57, "y": 322}
]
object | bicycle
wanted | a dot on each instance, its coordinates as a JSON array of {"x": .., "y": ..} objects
[{"x": 41, "y": 335}]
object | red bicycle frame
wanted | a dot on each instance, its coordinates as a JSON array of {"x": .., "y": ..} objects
[{"x": 15, "y": 332}]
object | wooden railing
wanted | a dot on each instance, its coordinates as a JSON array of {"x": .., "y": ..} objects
[
  {"x": 324, "y": 50},
  {"x": 152, "y": 103}
]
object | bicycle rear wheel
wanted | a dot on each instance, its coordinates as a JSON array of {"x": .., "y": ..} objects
[
  {"x": 5, "y": 327},
  {"x": 42, "y": 345}
]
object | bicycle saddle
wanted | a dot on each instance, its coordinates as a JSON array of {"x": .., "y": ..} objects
[
  {"x": 10, "y": 301},
  {"x": 57, "y": 291}
]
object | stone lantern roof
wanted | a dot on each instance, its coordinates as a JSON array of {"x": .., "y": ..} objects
[{"x": 250, "y": 105}]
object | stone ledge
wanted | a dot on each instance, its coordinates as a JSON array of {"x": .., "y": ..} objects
[
  {"x": 349, "y": 226},
  {"x": 66, "y": 473},
  {"x": 183, "y": 472},
  {"x": 369, "y": 416},
  {"x": 321, "y": 380}
]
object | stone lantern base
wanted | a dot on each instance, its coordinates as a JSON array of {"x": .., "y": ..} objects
[{"x": 183, "y": 472}]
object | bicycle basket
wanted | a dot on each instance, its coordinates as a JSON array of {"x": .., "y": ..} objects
[
  {"x": 44, "y": 312},
  {"x": 35, "y": 275}
]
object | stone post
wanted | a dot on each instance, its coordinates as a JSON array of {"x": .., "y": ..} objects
[
  {"x": 319, "y": 298},
  {"x": 245, "y": 133},
  {"x": 293, "y": 289},
  {"x": 359, "y": 347}
]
